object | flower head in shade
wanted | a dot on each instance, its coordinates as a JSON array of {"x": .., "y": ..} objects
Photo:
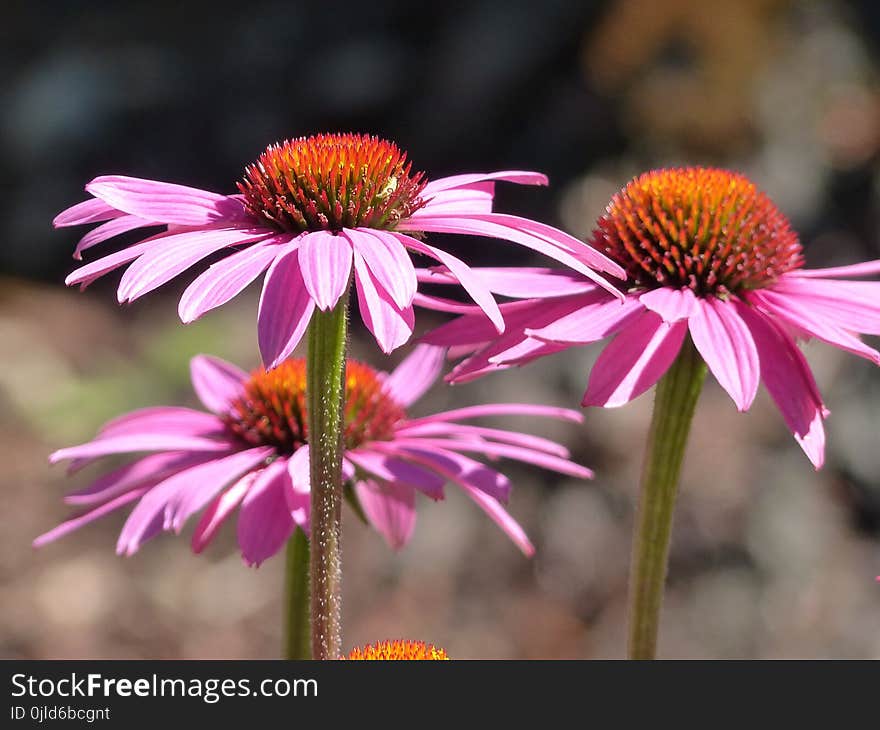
[
  {"x": 707, "y": 256},
  {"x": 251, "y": 453},
  {"x": 312, "y": 213},
  {"x": 399, "y": 649}
]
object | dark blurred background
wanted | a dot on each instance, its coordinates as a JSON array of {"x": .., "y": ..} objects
[{"x": 769, "y": 558}]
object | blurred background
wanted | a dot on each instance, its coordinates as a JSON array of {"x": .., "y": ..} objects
[{"x": 769, "y": 558}]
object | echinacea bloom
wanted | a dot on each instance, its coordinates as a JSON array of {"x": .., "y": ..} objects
[
  {"x": 251, "y": 452},
  {"x": 708, "y": 256},
  {"x": 309, "y": 212},
  {"x": 398, "y": 650}
]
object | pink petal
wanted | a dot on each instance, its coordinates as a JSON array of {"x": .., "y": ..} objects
[
  {"x": 152, "y": 469},
  {"x": 111, "y": 228},
  {"x": 521, "y": 177},
  {"x": 216, "y": 382},
  {"x": 285, "y": 309},
  {"x": 225, "y": 279},
  {"x": 136, "y": 443},
  {"x": 473, "y": 198},
  {"x": 787, "y": 309},
  {"x": 299, "y": 496},
  {"x": 596, "y": 318},
  {"x": 264, "y": 521},
  {"x": 850, "y": 305},
  {"x": 390, "y": 325},
  {"x": 673, "y": 305},
  {"x": 325, "y": 263},
  {"x": 790, "y": 383},
  {"x": 502, "y": 409},
  {"x": 866, "y": 268},
  {"x": 633, "y": 361},
  {"x": 725, "y": 343},
  {"x": 90, "y": 516},
  {"x": 479, "y": 432},
  {"x": 177, "y": 253},
  {"x": 475, "y": 288},
  {"x": 218, "y": 511},
  {"x": 199, "y": 484},
  {"x": 392, "y": 469},
  {"x": 165, "y": 202},
  {"x": 416, "y": 374},
  {"x": 388, "y": 262},
  {"x": 92, "y": 210},
  {"x": 500, "y": 517},
  {"x": 440, "y": 304},
  {"x": 85, "y": 275},
  {"x": 166, "y": 420},
  {"x": 390, "y": 508}
]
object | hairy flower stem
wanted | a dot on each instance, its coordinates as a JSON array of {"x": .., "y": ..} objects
[
  {"x": 297, "y": 637},
  {"x": 325, "y": 394},
  {"x": 674, "y": 404}
]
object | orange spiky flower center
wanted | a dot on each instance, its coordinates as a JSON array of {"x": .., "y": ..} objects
[
  {"x": 706, "y": 229},
  {"x": 398, "y": 649},
  {"x": 272, "y": 408},
  {"x": 330, "y": 182}
]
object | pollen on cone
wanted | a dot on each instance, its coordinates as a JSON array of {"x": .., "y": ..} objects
[{"x": 399, "y": 649}]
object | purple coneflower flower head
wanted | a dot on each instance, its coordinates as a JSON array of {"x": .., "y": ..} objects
[
  {"x": 312, "y": 213},
  {"x": 708, "y": 256},
  {"x": 251, "y": 453}
]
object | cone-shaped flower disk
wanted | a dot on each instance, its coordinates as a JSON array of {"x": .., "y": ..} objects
[
  {"x": 707, "y": 255},
  {"x": 398, "y": 650},
  {"x": 312, "y": 213},
  {"x": 251, "y": 452}
]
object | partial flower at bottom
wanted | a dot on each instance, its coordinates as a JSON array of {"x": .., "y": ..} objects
[
  {"x": 398, "y": 650},
  {"x": 250, "y": 454}
]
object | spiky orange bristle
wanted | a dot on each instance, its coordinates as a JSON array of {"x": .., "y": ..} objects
[
  {"x": 330, "y": 182},
  {"x": 706, "y": 229},
  {"x": 399, "y": 649},
  {"x": 272, "y": 409}
]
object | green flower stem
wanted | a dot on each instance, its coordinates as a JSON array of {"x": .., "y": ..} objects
[
  {"x": 674, "y": 404},
  {"x": 297, "y": 641},
  {"x": 325, "y": 396}
]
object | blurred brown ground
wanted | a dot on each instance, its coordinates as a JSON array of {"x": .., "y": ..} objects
[{"x": 769, "y": 558}]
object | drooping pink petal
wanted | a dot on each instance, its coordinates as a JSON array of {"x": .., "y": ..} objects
[
  {"x": 475, "y": 288},
  {"x": 165, "y": 202},
  {"x": 199, "y": 484},
  {"x": 460, "y": 430},
  {"x": 390, "y": 508},
  {"x": 299, "y": 496},
  {"x": 811, "y": 323},
  {"x": 85, "y": 275},
  {"x": 521, "y": 177},
  {"x": 325, "y": 263},
  {"x": 478, "y": 226},
  {"x": 113, "y": 227},
  {"x": 264, "y": 520},
  {"x": 725, "y": 343},
  {"x": 865, "y": 268},
  {"x": 285, "y": 309},
  {"x": 175, "y": 254},
  {"x": 92, "y": 210},
  {"x": 502, "y": 518},
  {"x": 139, "y": 442},
  {"x": 225, "y": 279},
  {"x": 164, "y": 419},
  {"x": 790, "y": 382},
  {"x": 634, "y": 360},
  {"x": 850, "y": 305},
  {"x": 216, "y": 381},
  {"x": 393, "y": 469},
  {"x": 673, "y": 305},
  {"x": 388, "y": 262},
  {"x": 502, "y": 409},
  {"x": 153, "y": 469},
  {"x": 416, "y": 374},
  {"x": 597, "y": 317},
  {"x": 390, "y": 325},
  {"x": 490, "y": 448},
  {"x": 91, "y": 515},
  {"x": 218, "y": 511}
]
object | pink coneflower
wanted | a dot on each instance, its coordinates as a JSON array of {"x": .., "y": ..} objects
[
  {"x": 310, "y": 211},
  {"x": 251, "y": 452},
  {"x": 707, "y": 255}
]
